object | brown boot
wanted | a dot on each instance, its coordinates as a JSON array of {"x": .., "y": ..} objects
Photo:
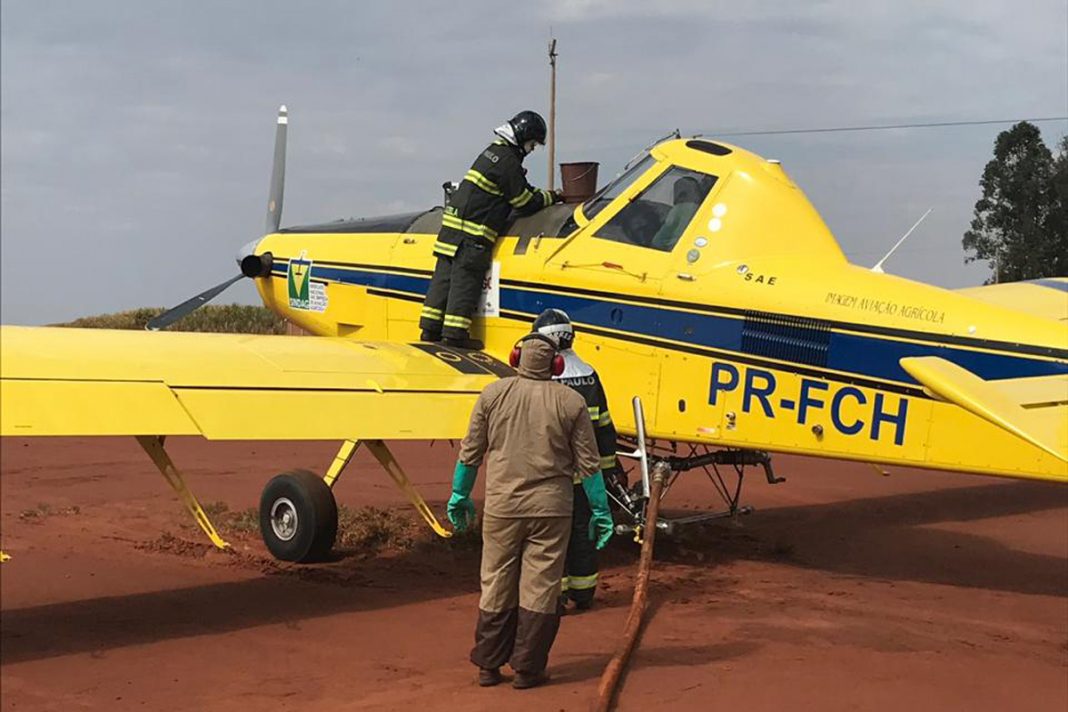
[
  {"x": 488, "y": 677},
  {"x": 527, "y": 680}
]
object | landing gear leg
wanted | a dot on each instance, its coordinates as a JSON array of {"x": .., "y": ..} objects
[
  {"x": 153, "y": 445},
  {"x": 341, "y": 461},
  {"x": 710, "y": 462},
  {"x": 634, "y": 503}
]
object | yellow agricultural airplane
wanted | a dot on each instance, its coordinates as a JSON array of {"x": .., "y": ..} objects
[{"x": 701, "y": 280}]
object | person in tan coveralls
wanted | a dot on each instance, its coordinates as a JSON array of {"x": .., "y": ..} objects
[{"x": 535, "y": 435}]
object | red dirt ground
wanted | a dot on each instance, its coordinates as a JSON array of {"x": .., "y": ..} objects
[{"x": 846, "y": 590}]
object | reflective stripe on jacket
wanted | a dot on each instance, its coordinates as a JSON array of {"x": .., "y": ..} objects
[
  {"x": 590, "y": 388},
  {"x": 494, "y": 186}
]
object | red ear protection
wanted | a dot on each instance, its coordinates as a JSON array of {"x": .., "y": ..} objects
[
  {"x": 558, "y": 364},
  {"x": 517, "y": 352}
]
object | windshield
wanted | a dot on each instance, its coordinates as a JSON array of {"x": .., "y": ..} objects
[
  {"x": 657, "y": 217},
  {"x": 611, "y": 191}
]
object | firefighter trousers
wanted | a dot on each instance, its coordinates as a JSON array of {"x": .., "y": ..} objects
[
  {"x": 580, "y": 570},
  {"x": 519, "y": 611},
  {"x": 454, "y": 289}
]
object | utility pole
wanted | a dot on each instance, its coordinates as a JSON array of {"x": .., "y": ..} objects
[{"x": 552, "y": 113}]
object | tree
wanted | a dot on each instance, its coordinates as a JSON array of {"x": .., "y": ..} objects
[
  {"x": 1059, "y": 211},
  {"x": 1020, "y": 225}
]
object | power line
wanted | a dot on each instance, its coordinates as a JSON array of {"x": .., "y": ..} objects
[{"x": 886, "y": 127}]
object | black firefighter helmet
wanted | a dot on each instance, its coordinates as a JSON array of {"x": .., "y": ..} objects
[
  {"x": 556, "y": 324},
  {"x": 528, "y": 126}
]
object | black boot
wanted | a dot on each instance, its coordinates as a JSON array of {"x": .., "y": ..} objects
[
  {"x": 527, "y": 680},
  {"x": 430, "y": 336},
  {"x": 488, "y": 677},
  {"x": 464, "y": 343}
]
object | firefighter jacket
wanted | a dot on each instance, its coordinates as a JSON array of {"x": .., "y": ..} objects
[
  {"x": 535, "y": 436},
  {"x": 489, "y": 191},
  {"x": 582, "y": 377}
]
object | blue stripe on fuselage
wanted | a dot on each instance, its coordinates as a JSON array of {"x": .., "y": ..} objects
[
  {"x": 848, "y": 353},
  {"x": 877, "y": 357},
  {"x": 366, "y": 278},
  {"x": 870, "y": 356}
]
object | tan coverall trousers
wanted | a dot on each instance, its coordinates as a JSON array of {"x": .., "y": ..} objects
[{"x": 519, "y": 612}]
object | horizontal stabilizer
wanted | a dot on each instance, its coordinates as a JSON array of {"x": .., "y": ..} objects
[
  {"x": 1047, "y": 298},
  {"x": 1033, "y": 409}
]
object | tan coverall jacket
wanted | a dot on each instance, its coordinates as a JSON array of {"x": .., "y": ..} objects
[{"x": 536, "y": 437}]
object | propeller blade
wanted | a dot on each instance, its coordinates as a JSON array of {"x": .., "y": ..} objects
[
  {"x": 189, "y": 305},
  {"x": 278, "y": 173}
]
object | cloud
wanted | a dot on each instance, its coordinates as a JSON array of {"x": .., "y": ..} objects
[{"x": 402, "y": 146}]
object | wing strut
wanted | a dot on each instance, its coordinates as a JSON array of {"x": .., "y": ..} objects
[
  {"x": 341, "y": 461},
  {"x": 389, "y": 463},
  {"x": 153, "y": 445}
]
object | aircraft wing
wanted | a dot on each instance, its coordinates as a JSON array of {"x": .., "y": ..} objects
[
  {"x": 59, "y": 381},
  {"x": 1047, "y": 298},
  {"x": 1035, "y": 409}
]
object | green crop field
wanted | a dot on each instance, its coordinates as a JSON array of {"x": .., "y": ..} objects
[{"x": 225, "y": 318}]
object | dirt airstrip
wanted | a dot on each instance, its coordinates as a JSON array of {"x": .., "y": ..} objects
[{"x": 847, "y": 590}]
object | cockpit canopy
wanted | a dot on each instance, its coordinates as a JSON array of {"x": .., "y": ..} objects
[
  {"x": 657, "y": 216},
  {"x": 680, "y": 194}
]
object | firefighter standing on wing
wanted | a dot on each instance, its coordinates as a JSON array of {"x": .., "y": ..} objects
[
  {"x": 580, "y": 571},
  {"x": 475, "y": 215},
  {"x": 535, "y": 436}
]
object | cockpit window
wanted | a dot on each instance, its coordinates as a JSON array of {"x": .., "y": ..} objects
[
  {"x": 611, "y": 191},
  {"x": 658, "y": 216}
]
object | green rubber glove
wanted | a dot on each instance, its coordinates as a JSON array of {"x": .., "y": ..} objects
[
  {"x": 460, "y": 509},
  {"x": 601, "y": 525}
]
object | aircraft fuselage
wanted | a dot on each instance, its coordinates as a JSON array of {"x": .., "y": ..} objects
[{"x": 750, "y": 329}]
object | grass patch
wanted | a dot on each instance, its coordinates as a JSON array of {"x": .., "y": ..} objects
[
  {"x": 227, "y": 521},
  {"x": 244, "y": 522},
  {"x": 43, "y": 510},
  {"x": 372, "y": 529},
  {"x": 167, "y": 543},
  {"x": 364, "y": 530},
  {"x": 215, "y": 509},
  {"x": 214, "y": 318}
]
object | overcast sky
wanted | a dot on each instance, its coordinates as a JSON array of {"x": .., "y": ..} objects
[{"x": 137, "y": 135}]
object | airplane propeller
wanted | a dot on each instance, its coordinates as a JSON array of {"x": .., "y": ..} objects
[{"x": 251, "y": 265}]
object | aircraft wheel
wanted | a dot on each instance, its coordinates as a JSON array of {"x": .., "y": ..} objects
[{"x": 298, "y": 516}]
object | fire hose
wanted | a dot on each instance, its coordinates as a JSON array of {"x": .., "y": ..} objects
[{"x": 613, "y": 672}]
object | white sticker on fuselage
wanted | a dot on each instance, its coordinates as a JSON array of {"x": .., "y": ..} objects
[
  {"x": 304, "y": 294},
  {"x": 489, "y": 303}
]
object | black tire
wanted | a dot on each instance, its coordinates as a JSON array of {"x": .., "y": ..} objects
[{"x": 309, "y": 530}]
